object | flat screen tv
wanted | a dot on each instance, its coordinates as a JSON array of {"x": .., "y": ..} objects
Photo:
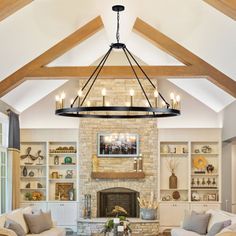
[{"x": 118, "y": 145}]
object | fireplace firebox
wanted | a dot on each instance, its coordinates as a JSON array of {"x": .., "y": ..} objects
[{"x": 107, "y": 199}]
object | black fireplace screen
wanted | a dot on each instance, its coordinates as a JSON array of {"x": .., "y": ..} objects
[{"x": 109, "y": 198}]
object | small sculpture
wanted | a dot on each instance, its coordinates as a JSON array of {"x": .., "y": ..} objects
[
  {"x": 69, "y": 174},
  {"x": 39, "y": 157},
  {"x": 210, "y": 168},
  {"x": 28, "y": 155}
]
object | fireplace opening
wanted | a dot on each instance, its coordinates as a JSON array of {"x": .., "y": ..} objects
[{"x": 109, "y": 198}]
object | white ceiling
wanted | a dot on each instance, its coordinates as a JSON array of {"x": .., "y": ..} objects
[{"x": 194, "y": 24}]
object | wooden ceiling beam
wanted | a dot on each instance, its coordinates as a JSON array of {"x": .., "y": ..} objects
[
  {"x": 227, "y": 7},
  {"x": 115, "y": 72},
  {"x": 51, "y": 54},
  {"x": 8, "y": 7},
  {"x": 185, "y": 56}
]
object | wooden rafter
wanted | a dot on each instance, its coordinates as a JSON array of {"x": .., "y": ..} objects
[
  {"x": 115, "y": 72},
  {"x": 8, "y": 7},
  {"x": 51, "y": 54},
  {"x": 227, "y": 7},
  {"x": 185, "y": 56}
]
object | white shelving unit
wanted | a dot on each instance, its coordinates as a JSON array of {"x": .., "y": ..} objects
[
  {"x": 184, "y": 146},
  {"x": 64, "y": 210},
  {"x": 33, "y": 172}
]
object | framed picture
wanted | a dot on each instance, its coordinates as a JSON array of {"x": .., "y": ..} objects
[
  {"x": 118, "y": 145},
  {"x": 62, "y": 190},
  {"x": 212, "y": 197}
]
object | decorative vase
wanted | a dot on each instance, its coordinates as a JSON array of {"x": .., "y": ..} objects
[
  {"x": 148, "y": 213},
  {"x": 25, "y": 172},
  {"x": 173, "y": 181}
]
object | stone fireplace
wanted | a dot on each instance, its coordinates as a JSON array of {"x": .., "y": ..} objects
[
  {"x": 109, "y": 198},
  {"x": 104, "y": 191}
]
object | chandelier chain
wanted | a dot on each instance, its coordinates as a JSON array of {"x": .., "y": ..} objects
[{"x": 118, "y": 27}]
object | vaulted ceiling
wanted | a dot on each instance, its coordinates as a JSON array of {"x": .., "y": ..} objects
[{"x": 198, "y": 28}]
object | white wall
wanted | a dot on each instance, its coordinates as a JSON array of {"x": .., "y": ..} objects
[
  {"x": 229, "y": 127},
  {"x": 42, "y": 114},
  {"x": 194, "y": 113}
]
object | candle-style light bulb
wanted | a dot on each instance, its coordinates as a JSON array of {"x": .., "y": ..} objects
[
  {"x": 63, "y": 96},
  {"x": 177, "y": 98},
  {"x": 177, "y": 102},
  {"x": 88, "y": 103},
  {"x": 156, "y": 97},
  {"x": 104, "y": 93},
  {"x": 58, "y": 105},
  {"x": 80, "y": 94},
  {"x": 163, "y": 104},
  {"x": 131, "y": 92},
  {"x": 172, "y": 98}
]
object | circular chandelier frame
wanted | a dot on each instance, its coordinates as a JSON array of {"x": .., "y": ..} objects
[{"x": 114, "y": 112}]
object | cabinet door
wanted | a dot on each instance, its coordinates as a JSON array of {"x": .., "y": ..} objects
[
  {"x": 70, "y": 214},
  {"x": 204, "y": 207},
  {"x": 64, "y": 213},
  {"x": 172, "y": 214},
  {"x": 234, "y": 208},
  {"x": 35, "y": 206}
]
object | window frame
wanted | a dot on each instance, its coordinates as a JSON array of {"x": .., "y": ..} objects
[{"x": 4, "y": 120}]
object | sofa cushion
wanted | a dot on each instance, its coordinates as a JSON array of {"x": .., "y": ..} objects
[
  {"x": 38, "y": 223},
  {"x": 217, "y": 227},
  {"x": 14, "y": 226},
  {"x": 17, "y": 216},
  {"x": 218, "y": 216},
  {"x": 182, "y": 232},
  {"x": 197, "y": 223},
  {"x": 52, "y": 232},
  {"x": 2, "y": 220}
]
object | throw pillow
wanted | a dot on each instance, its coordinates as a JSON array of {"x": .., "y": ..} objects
[
  {"x": 197, "y": 223},
  {"x": 48, "y": 218},
  {"x": 37, "y": 223},
  {"x": 17, "y": 216},
  {"x": 217, "y": 227},
  {"x": 17, "y": 228}
]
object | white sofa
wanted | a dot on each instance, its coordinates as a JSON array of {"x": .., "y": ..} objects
[
  {"x": 216, "y": 216},
  {"x": 17, "y": 216}
]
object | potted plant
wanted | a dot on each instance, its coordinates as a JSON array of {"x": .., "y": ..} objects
[
  {"x": 111, "y": 226},
  {"x": 148, "y": 208}
]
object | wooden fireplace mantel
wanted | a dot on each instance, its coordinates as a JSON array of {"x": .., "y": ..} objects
[{"x": 118, "y": 175}]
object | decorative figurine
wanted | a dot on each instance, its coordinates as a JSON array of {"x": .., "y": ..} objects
[{"x": 210, "y": 168}]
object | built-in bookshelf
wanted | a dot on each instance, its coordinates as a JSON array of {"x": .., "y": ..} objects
[{"x": 49, "y": 171}]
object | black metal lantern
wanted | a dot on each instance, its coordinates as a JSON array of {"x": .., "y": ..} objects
[{"x": 120, "y": 112}]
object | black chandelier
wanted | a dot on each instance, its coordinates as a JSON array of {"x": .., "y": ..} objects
[{"x": 120, "y": 112}]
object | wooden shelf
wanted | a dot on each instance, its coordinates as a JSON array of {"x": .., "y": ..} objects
[{"x": 118, "y": 175}]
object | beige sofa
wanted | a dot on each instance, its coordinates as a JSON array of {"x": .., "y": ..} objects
[
  {"x": 17, "y": 216},
  {"x": 216, "y": 216}
]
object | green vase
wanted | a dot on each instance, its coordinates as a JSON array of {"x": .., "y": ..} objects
[{"x": 68, "y": 160}]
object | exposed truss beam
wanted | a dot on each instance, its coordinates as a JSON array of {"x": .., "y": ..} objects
[
  {"x": 115, "y": 72},
  {"x": 185, "y": 56},
  {"x": 227, "y": 7},
  {"x": 51, "y": 54},
  {"x": 8, "y": 7}
]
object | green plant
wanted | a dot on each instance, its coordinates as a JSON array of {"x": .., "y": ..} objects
[
  {"x": 28, "y": 196},
  {"x": 109, "y": 226}
]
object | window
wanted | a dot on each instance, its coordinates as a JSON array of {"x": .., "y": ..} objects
[{"x": 3, "y": 164}]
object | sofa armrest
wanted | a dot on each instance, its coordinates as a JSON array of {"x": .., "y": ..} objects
[{"x": 7, "y": 232}]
